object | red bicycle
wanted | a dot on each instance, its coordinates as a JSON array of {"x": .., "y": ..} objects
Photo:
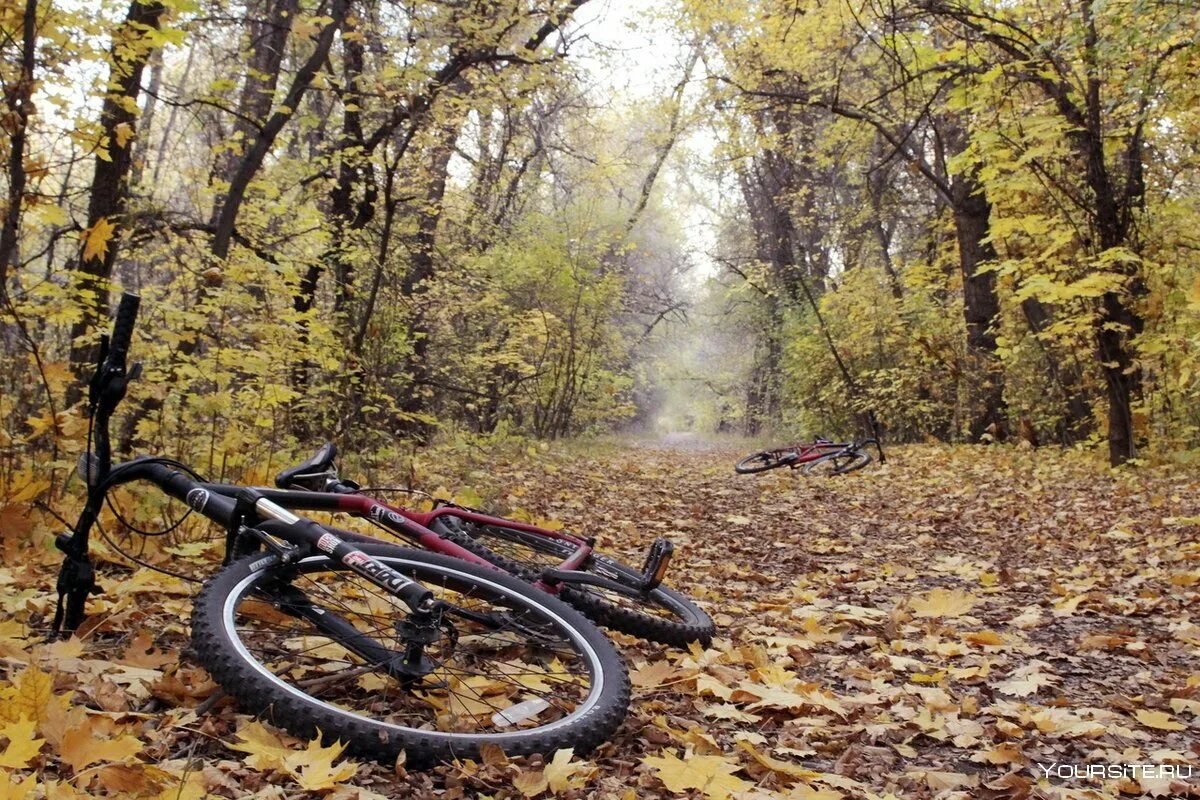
[
  {"x": 609, "y": 592},
  {"x": 819, "y": 457}
]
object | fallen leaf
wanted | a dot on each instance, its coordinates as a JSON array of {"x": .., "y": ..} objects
[
  {"x": 943, "y": 603},
  {"x": 712, "y": 775}
]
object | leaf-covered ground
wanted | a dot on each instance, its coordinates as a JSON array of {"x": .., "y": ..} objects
[{"x": 952, "y": 624}]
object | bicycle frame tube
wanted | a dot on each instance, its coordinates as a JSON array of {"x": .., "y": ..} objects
[
  {"x": 583, "y": 548},
  {"x": 393, "y": 519},
  {"x": 412, "y": 525},
  {"x": 811, "y": 451},
  {"x": 218, "y": 503}
]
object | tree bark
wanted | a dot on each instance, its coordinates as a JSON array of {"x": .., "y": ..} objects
[
  {"x": 267, "y": 27},
  {"x": 981, "y": 307},
  {"x": 252, "y": 161},
  {"x": 110, "y": 184},
  {"x": 354, "y": 171},
  {"x": 422, "y": 267},
  {"x": 17, "y": 100}
]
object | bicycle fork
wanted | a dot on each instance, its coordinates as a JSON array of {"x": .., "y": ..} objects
[{"x": 419, "y": 629}]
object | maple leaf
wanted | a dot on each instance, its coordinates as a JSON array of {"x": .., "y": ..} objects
[
  {"x": 984, "y": 638},
  {"x": 563, "y": 774},
  {"x": 778, "y": 765},
  {"x": 531, "y": 784},
  {"x": 1028, "y": 680},
  {"x": 96, "y": 239},
  {"x": 712, "y": 775},
  {"x": 21, "y": 790},
  {"x": 651, "y": 675},
  {"x": 22, "y": 747},
  {"x": 265, "y": 749},
  {"x": 943, "y": 603},
  {"x": 81, "y": 747},
  {"x": 805, "y": 792},
  {"x": 313, "y": 767},
  {"x": 30, "y": 694},
  {"x": 123, "y": 133},
  {"x": 939, "y": 781}
]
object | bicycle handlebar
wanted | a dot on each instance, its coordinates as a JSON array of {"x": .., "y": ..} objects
[{"x": 118, "y": 345}]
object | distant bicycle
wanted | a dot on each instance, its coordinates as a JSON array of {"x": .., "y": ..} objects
[{"x": 818, "y": 457}]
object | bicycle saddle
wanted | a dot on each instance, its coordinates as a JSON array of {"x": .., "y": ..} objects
[{"x": 319, "y": 464}]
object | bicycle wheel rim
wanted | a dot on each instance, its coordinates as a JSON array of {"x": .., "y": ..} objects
[
  {"x": 661, "y": 615},
  {"x": 860, "y": 460},
  {"x": 837, "y": 464},
  {"x": 758, "y": 462},
  {"x": 489, "y": 732}
]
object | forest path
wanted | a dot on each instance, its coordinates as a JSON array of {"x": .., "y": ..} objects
[
  {"x": 950, "y": 619},
  {"x": 936, "y": 627}
]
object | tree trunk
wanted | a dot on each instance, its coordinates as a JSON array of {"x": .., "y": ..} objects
[
  {"x": 354, "y": 169},
  {"x": 110, "y": 184},
  {"x": 17, "y": 100},
  {"x": 421, "y": 269},
  {"x": 252, "y": 161},
  {"x": 267, "y": 27},
  {"x": 981, "y": 307},
  {"x": 1066, "y": 373}
]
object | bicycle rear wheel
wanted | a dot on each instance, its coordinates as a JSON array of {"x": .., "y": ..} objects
[
  {"x": 837, "y": 463},
  {"x": 509, "y": 665},
  {"x": 662, "y": 615}
]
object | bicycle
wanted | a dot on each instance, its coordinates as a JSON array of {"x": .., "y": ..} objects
[
  {"x": 819, "y": 457},
  {"x": 610, "y": 593},
  {"x": 384, "y": 647}
]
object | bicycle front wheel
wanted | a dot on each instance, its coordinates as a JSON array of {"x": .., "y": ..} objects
[
  {"x": 661, "y": 615},
  {"x": 760, "y": 462},
  {"x": 507, "y": 665}
]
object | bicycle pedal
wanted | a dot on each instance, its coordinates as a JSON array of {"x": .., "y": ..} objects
[{"x": 658, "y": 559}]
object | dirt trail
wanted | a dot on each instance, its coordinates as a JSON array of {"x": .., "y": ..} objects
[
  {"x": 941, "y": 627},
  {"x": 930, "y": 626}
]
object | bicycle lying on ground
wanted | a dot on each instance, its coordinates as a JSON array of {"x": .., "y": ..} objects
[
  {"x": 384, "y": 647},
  {"x": 819, "y": 457},
  {"x": 607, "y": 591}
]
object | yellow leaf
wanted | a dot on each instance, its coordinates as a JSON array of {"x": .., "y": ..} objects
[
  {"x": 50, "y": 214},
  {"x": 313, "y": 767},
  {"x": 940, "y": 781},
  {"x": 562, "y": 774},
  {"x": 17, "y": 791},
  {"x": 123, "y": 133},
  {"x": 712, "y": 775},
  {"x": 1000, "y": 754},
  {"x": 23, "y": 746},
  {"x": 266, "y": 750},
  {"x": 1159, "y": 720},
  {"x": 985, "y": 638},
  {"x": 185, "y": 786},
  {"x": 944, "y": 603},
  {"x": 96, "y": 238},
  {"x": 1068, "y": 606},
  {"x": 32, "y": 691},
  {"x": 531, "y": 784},
  {"x": 651, "y": 675},
  {"x": 778, "y": 765},
  {"x": 80, "y": 748},
  {"x": 806, "y": 792}
]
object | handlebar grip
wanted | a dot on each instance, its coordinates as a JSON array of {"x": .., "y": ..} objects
[{"x": 123, "y": 328}]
